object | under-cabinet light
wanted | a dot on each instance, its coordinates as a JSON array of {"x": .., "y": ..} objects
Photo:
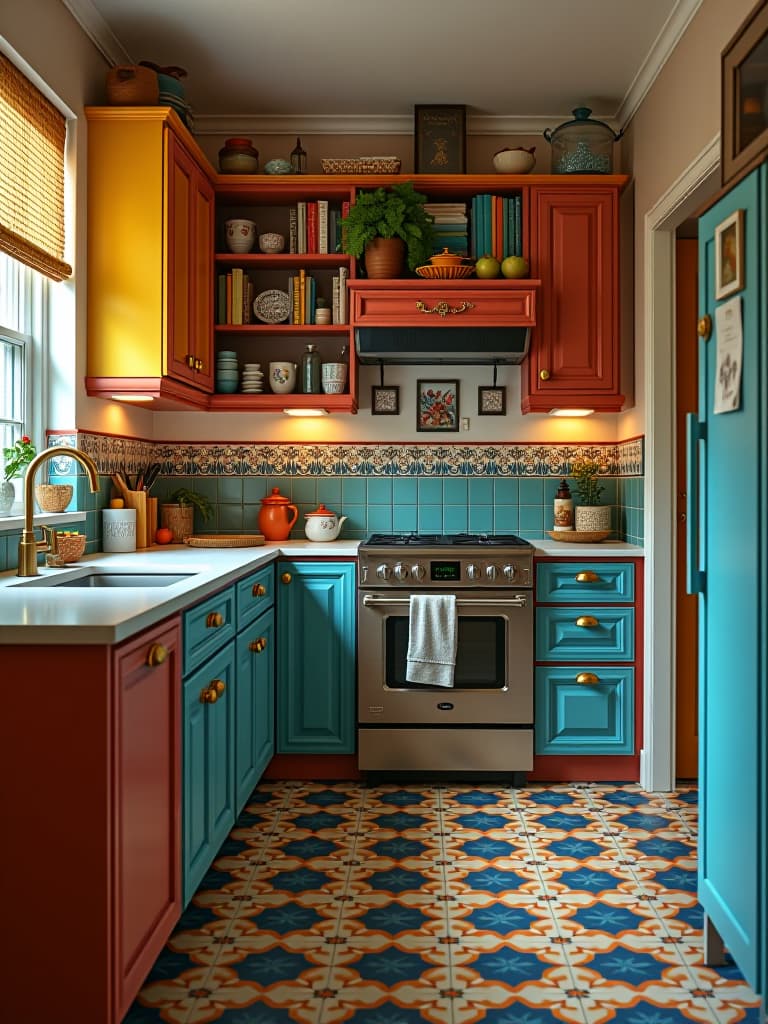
[
  {"x": 132, "y": 398},
  {"x": 306, "y": 412},
  {"x": 571, "y": 412}
]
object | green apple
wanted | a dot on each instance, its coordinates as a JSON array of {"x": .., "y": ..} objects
[
  {"x": 487, "y": 266},
  {"x": 514, "y": 266}
]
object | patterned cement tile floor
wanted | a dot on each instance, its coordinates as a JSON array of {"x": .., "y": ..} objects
[{"x": 394, "y": 904}]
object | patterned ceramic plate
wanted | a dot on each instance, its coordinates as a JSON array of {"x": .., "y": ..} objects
[{"x": 272, "y": 306}]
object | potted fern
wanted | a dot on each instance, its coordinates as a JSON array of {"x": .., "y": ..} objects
[
  {"x": 590, "y": 515},
  {"x": 178, "y": 513},
  {"x": 382, "y": 220}
]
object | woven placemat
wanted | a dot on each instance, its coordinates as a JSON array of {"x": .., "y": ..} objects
[
  {"x": 579, "y": 536},
  {"x": 225, "y": 540}
]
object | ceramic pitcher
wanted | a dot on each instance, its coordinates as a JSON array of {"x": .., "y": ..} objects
[{"x": 276, "y": 516}]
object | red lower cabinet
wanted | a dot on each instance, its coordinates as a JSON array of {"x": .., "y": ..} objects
[{"x": 91, "y": 856}]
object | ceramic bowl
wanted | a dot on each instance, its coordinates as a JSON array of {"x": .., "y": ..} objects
[
  {"x": 240, "y": 235},
  {"x": 277, "y": 166},
  {"x": 271, "y": 242},
  {"x": 513, "y": 161},
  {"x": 226, "y": 387}
]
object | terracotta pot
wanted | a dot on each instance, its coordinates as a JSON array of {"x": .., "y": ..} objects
[
  {"x": 275, "y": 519},
  {"x": 385, "y": 257},
  {"x": 179, "y": 519}
]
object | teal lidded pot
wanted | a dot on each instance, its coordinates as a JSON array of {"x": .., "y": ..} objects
[{"x": 583, "y": 145}]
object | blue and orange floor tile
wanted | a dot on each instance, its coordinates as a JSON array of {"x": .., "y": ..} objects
[{"x": 451, "y": 904}]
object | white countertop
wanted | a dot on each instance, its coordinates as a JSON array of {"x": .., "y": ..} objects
[
  {"x": 33, "y": 612},
  {"x": 605, "y": 549}
]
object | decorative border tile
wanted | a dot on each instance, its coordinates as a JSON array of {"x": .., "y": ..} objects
[{"x": 625, "y": 458}]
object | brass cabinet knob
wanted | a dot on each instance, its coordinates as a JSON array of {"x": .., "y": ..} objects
[
  {"x": 214, "y": 620},
  {"x": 190, "y": 360},
  {"x": 208, "y": 695},
  {"x": 704, "y": 327},
  {"x": 587, "y": 621},
  {"x": 587, "y": 678},
  {"x": 258, "y": 645},
  {"x": 199, "y": 365},
  {"x": 156, "y": 655},
  {"x": 259, "y": 590},
  {"x": 587, "y": 577},
  {"x": 286, "y": 577},
  {"x": 544, "y": 374},
  {"x": 219, "y": 686}
]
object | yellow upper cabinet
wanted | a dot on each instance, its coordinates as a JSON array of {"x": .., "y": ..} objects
[{"x": 150, "y": 257}]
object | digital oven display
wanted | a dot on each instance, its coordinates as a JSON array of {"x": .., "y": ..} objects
[{"x": 445, "y": 572}]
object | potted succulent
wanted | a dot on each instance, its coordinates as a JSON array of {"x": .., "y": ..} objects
[
  {"x": 17, "y": 458},
  {"x": 388, "y": 219},
  {"x": 590, "y": 515},
  {"x": 178, "y": 513}
]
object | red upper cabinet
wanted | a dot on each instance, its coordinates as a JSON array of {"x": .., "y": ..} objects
[{"x": 574, "y": 356}]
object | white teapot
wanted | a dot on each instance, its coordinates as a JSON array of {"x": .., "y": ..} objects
[{"x": 322, "y": 524}]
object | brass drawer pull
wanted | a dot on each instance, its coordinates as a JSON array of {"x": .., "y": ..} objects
[
  {"x": 259, "y": 590},
  {"x": 258, "y": 645},
  {"x": 587, "y": 577},
  {"x": 156, "y": 655},
  {"x": 587, "y": 622},
  {"x": 587, "y": 679},
  {"x": 544, "y": 374},
  {"x": 286, "y": 577},
  {"x": 443, "y": 308},
  {"x": 219, "y": 686},
  {"x": 208, "y": 695},
  {"x": 214, "y": 620}
]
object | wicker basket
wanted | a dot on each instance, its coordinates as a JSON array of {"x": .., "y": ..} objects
[
  {"x": 70, "y": 546},
  {"x": 132, "y": 86},
  {"x": 362, "y": 165},
  {"x": 53, "y": 497},
  {"x": 225, "y": 540}
]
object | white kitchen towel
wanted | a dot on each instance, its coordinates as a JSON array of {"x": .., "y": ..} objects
[{"x": 432, "y": 634}]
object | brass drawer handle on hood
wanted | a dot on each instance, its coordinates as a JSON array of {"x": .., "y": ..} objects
[{"x": 443, "y": 308}]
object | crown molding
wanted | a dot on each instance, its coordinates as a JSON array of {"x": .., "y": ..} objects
[
  {"x": 663, "y": 46},
  {"x": 98, "y": 31}
]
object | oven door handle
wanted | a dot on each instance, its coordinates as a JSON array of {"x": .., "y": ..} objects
[{"x": 516, "y": 601}]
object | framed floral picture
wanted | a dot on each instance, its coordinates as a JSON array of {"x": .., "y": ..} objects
[
  {"x": 729, "y": 255},
  {"x": 491, "y": 401},
  {"x": 385, "y": 401},
  {"x": 437, "y": 405}
]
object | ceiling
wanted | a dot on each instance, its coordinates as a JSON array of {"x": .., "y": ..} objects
[{"x": 332, "y": 64}]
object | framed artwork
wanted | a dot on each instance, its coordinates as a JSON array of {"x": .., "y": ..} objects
[
  {"x": 440, "y": 139},
  {"x": 385, "y": 401},
  {"x": 491, "y": 401},
  {"x": 729, "y": 255},
  {"x": 437, "y": 405},
  {"x": 744, "y": 97}
]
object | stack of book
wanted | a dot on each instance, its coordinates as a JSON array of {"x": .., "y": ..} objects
[
  {"x": 496, "y": 228},
  {"x": 449, "y": 224},
  {"x": 339, "y": 306},
  {"x": 313, "y": 226},
  {"x": 302, "y": 294},
  {"x": 234, "y": 297}
]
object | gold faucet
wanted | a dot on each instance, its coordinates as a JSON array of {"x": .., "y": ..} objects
[{"x": 29, "y": 548}]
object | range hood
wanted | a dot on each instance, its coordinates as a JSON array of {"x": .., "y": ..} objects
[{"x": 433, "y": 345}]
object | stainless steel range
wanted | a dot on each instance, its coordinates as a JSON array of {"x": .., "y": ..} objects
[{"x": 483, "y": 723}]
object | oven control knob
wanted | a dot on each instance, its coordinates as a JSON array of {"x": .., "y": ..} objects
[
  {"x": 510, "y": 572},
  {"x": 400, "y": 572},
  {"x": 418, "y": 572},
  {"x": 491, "y": 571},
  {"x": 383, "y": 572},
  {"x": 473, "y": 571}
]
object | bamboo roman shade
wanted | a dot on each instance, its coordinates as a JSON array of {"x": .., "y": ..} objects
[{"x": 32, "y": 136}]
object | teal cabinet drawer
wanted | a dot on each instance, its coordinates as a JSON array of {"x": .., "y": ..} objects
[
  {"x": 207, "y": 627},
  {"x": 585, "y": 581},
  {"x": 587, "y": 710},
  {"x": 255, "y": 594},
  {"x": 568, "y": 634}
]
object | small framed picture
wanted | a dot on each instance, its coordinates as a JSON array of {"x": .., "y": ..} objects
[
  {"x": 440, "y": 139},
  {"x": 729, "y": 255},
  {"x": 437, "y": 405},
  {"x": 491, "y": 401},
  {"x": 385, "y": 401}
]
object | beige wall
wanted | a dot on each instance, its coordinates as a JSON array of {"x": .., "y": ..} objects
[{"x": 677, "y": 120}]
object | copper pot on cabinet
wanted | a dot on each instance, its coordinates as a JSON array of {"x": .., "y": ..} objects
[{"x": 276, "y": 516}]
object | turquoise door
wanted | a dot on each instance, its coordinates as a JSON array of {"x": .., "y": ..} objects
[
  {"x": 254, "y": 704},
  {"x": 727, "y": 566}
]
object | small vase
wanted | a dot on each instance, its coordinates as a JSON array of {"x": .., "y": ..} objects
[
  {"x": 7, "y": 497},
  {"x": 593, "y": 518}
]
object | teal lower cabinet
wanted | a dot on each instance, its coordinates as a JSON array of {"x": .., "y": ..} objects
[
  {"x": 208, "y": 777},
  {"x": 316, "y": 710},
  {"x": 254, "y": 704},
  {"x": 585, "y": 711}
]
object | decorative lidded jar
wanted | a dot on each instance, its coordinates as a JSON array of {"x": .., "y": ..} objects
[
  {"x": 583, "y": 145},
  {"x": 275, "y": 519},
  {"x": 238, "y": 156}
]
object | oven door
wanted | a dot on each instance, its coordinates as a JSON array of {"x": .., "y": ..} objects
[{"x": 493, "y": 681}]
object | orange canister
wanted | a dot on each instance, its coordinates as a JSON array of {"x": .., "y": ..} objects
[{"x": 277, "y": 515}]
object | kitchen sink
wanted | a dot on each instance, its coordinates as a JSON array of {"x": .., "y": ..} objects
[{"x": 119, "y": 579}]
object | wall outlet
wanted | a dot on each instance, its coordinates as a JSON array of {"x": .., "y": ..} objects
[{"x": 465, "y": 422}]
